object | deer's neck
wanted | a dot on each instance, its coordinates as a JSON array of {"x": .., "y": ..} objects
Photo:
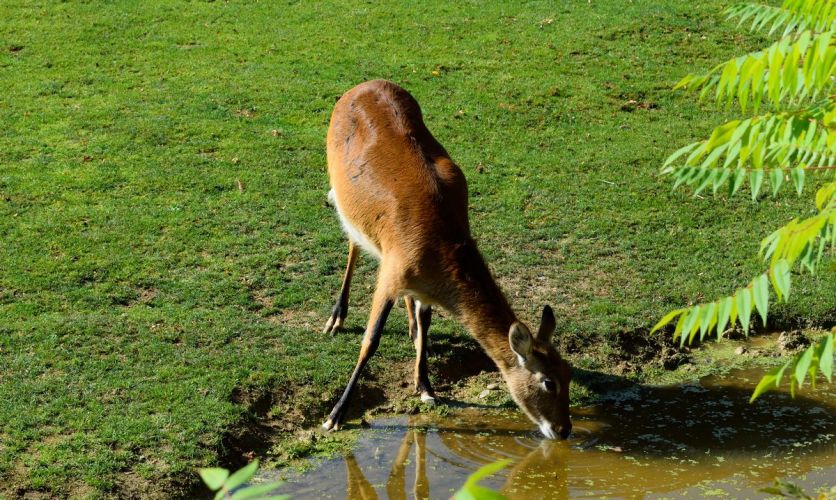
[{"x": 481, "y": 305}]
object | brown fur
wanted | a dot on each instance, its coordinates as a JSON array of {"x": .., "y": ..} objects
[{"x": 397, "y": 186}]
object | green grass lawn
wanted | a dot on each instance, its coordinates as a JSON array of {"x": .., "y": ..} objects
[{"x": 166, "y": 246}]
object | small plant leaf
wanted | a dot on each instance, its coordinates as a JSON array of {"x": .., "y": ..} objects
[
  {"x": 241, "y": 476},
  {"x": 826, "y": 357},
  {"x": 803, "y": 365},
  {"x": 676, "y": 154},
  {"x": 666, "y": 319},
  {"x": 679, "y": 324},
  {"x": 737, "y": 180},
  {"x": 708, "y": 317},
  {"x": 755, "y": 182},
  {"x": 776, "y": 177},
  {"x": 781, "y": 279},
  {"x": 744, "y": 308},
  {"x": 691, "y": 325},
  {"x": 783, "y": 488},
  {"x": 476, "y": 492},
  {"x": 214, "y": 477},
  {"x": 797, "y": 176},
  {"x": 769, "y": 381},
  {"x": 723, "y": 315},
  {"x": 733, "y": 313},
  {"x": 259, "y": 491},
  {"x": 472, "y": 491},
  {"x": 825, "y": 194},
  {"x": 760, "y": 291},
  {"x": 487, "y": 471}
]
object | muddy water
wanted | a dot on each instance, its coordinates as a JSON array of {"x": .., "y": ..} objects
[{"x": 685, "y": 441}]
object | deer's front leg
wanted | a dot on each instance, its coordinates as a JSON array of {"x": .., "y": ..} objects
[{"x": 381, "y": 305}]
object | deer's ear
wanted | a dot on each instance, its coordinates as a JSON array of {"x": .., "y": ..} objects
[
  {"x": 521, "y": 342},
  {"x": 547, "y": 325}
]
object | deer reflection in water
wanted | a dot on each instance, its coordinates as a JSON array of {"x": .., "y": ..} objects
[
  {"x": 360, "y": 487},
  {"x": 465, "y": 451},
  {"x": 357, "y": 485},
  {"x": 640, "y": 440},
  {"x": 396, "y": 485}
]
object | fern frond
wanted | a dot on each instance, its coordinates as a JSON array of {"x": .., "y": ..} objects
[
  {"x": 794, "y": 15},
  {"x": 792, "y": 70},
  {"x": 772, "y": 146},
  {"x": 800, "y": 241}
]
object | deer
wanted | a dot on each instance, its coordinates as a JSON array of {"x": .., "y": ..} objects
[{"x": 401, "y": 199}]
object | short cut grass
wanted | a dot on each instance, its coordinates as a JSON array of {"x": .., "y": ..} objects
[{"x": 166, "y": 244}]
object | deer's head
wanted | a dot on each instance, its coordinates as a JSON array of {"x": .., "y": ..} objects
[{"x": 539, "y": 382}]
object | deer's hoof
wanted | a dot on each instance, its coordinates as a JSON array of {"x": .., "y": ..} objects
[
  {"x": 329, "y": 426},
  {"x": 333, "y": 325},
  {"x": 427, "y": 398}
]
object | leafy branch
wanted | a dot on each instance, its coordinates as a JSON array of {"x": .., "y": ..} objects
[
  {"x": 799, "y": 241},
  {"x": 798, "y": 135},
  {"x": 772, "y": 146},
  {"x": 793, "y": 15},
  {"x": 817, "y": 357},
  {"x": 795, "y": 68}
]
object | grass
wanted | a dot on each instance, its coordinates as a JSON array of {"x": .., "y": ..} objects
[{"x": 166, "y": 246}]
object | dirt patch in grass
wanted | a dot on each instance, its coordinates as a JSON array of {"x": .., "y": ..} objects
[
  {"x": 280, "y": 422},
  {"x": 283, "y": 424},
  {"x": 132, "y": 485},
  {"x": 308, "y": 320}
]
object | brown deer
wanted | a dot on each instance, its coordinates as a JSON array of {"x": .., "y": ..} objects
[{"x": 401, "y": 198}]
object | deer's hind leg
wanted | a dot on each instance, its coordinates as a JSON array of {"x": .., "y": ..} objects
[
  {"x": 420, "y": 317},
  {"x": 340, "y": 310}
]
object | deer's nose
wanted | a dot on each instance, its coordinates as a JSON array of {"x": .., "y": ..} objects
[
  {"x": 547, "y": 430},
  {"x": 564, "y": 431}
]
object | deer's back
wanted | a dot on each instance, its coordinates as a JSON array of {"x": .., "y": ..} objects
[{"x": 391, "y": 179}]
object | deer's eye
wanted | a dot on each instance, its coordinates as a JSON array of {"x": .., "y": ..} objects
[{"x": 549, "y": 385}]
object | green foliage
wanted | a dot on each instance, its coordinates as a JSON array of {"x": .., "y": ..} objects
[
  {"x": 230, "y": 486},
  {"x": 816, "y": 358},
  {"x": 473, "y": 491},
  {"x": 793, "y": 15},
  {"x": 783, "y": 488},
  {"x": 801, "y": 242},
  {"x": 795, "y": 76},
  {"x": 777, "y": 147},
  {"x": 214, "y": 477},
  {"x": 794, "y": 70}
]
